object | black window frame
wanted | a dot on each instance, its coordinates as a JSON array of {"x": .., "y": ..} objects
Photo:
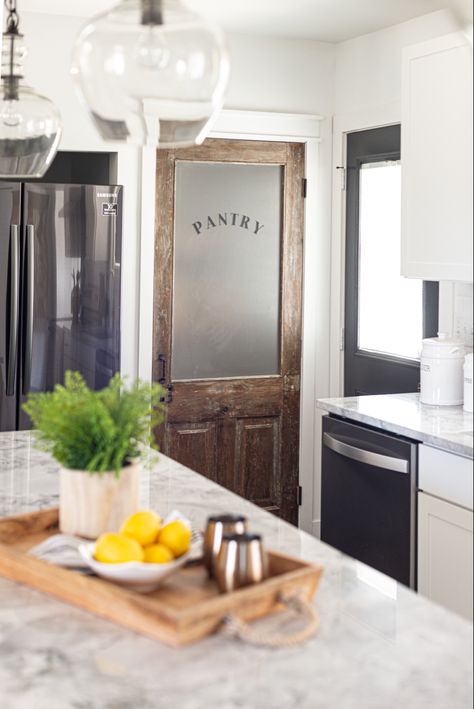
[{"x": 364, "y": 370}]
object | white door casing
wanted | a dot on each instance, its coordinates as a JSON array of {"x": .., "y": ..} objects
[{"x": 258, "y": 125}]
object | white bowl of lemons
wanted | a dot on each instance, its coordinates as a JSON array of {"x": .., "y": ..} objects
[{"x": 144, "y": 553}]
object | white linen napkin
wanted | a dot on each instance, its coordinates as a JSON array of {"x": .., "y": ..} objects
[{"x": 63, "y": 549}]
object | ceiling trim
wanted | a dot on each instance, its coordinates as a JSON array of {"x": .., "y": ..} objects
[
  {"x": 329, "y": 21},
  {"x": 268, "y": 123}
]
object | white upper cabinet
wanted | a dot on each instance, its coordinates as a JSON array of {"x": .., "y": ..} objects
[{"x": 437, "y": 160}]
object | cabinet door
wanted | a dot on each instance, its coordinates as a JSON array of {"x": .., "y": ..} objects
[
  {"x": 436, "y": 150},
  {"x": 445, "y": 567}
]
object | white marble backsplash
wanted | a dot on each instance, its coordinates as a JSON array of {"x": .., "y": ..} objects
[
  {"x": 463, "y": 313},
  {"x": 456, "y": 310}
]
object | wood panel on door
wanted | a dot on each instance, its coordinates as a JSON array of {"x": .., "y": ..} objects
[{"x": 237, "y": 422}]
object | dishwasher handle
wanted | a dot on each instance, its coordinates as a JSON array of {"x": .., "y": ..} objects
[{"x": 397, "y": 465}]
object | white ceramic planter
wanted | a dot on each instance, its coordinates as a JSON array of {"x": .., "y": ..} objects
[{"x": 93, "y": 503}]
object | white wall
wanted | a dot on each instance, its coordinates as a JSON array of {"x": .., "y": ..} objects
[
  {"x": 298, "y": 76},
  {"x": 267, "y": 74},
  {"x": 368, "y": 68},
  {"x": 359, "y": 81},
  {"x": 295, "y": 76},
  {"x": 283, "y": 76},
  {"x": 49, "y": 39},
  {"x": 368, "y": 94},
  {"x": 368, "y": 83}
]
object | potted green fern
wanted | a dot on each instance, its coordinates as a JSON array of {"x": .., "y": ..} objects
[{"x": 99, "y": 438}]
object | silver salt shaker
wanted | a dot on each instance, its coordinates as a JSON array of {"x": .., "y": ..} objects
[
  {"x": 241, "y": 561},
  {"x": 218, "y": 526}
]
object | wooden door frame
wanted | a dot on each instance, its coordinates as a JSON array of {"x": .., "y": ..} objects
[{"x": 298, "y": 128}]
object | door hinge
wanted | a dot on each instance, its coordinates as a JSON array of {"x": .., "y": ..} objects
[
  {"x": 162, "y": 380},
  {"x": 305, "y": 187},
  {"x": 300, "y": 495},
  {"x": 343, "y": 176},
  {"x": 291, "y": 382},
  {"x": 342, "y": 342}
]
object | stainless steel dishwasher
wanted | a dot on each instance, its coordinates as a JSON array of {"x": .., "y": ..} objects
[{"x": 368, "y": 496}]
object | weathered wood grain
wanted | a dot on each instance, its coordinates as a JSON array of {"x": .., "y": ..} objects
[
  {"x": 194, "y": 445},
  {"x": 228, "y": 403},
  {"x": 257, "y": 454}
]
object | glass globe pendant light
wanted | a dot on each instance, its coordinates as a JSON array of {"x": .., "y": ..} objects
[
  {"x": 151, "y": 73},
  {"x": 30, "y": 124}
]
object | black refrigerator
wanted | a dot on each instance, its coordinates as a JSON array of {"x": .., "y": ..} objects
[{"x": 60, "y": 255}]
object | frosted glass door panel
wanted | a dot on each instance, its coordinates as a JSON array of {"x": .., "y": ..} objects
[{"x": 226, "y": 299}]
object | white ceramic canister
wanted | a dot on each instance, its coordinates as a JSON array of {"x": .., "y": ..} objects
[
  {"x": 441, "y": 370},
  {"x": 468, "y": 365}
]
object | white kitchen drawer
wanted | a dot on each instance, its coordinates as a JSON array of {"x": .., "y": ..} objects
[{"x": 445, "y": 475}]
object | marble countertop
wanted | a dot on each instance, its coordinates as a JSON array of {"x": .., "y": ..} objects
[
  {"x": 379, "y": 645},
  {"x": 449, "y": 428}
]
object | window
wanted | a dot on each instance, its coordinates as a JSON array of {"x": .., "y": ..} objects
[
  {"x": 386, "y": 316},
  {"x": 390, "y": 307}
]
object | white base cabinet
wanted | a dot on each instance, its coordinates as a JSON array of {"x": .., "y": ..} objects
[{"x": 445, "y": 553}]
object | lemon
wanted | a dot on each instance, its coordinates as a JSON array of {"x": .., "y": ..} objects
[
  {"x": 176, "y": 536},
  {"x": 158, "y": 554},
  {"x": 117, "y": 548},
  {"x": 142, "y": 526}
]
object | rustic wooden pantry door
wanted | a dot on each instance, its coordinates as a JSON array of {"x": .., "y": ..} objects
[{"x": 227, "y": 314}]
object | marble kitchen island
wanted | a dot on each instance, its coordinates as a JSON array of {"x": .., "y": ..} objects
[{"x": 379, "y": 645}]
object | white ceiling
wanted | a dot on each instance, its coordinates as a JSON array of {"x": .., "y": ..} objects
[{"x": 324, "y": 20}]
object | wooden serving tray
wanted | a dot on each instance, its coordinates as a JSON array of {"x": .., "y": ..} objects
[{"x": 186, "y": 608}]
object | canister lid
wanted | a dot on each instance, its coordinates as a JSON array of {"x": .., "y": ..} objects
[{"x": 443, "y": 346}]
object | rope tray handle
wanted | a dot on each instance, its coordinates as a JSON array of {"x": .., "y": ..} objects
[{"x": 237, "y": 628}]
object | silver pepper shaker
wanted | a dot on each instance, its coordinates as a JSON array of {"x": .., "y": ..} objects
[
  {"x": 241, "y": 561},
  {"x": 218, "y": 526}
]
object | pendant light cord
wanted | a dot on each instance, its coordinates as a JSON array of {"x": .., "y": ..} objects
[
  {"x": 152, "y": 12},
  {"x": 13, "y": 18},
  {"x": 9, "y": 76}
]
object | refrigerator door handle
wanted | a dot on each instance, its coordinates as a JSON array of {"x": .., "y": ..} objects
[
  {"x": 29, "y": 304},
  {"x": 13, "y": 311},
  {"x": 388, "y": 462}
]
